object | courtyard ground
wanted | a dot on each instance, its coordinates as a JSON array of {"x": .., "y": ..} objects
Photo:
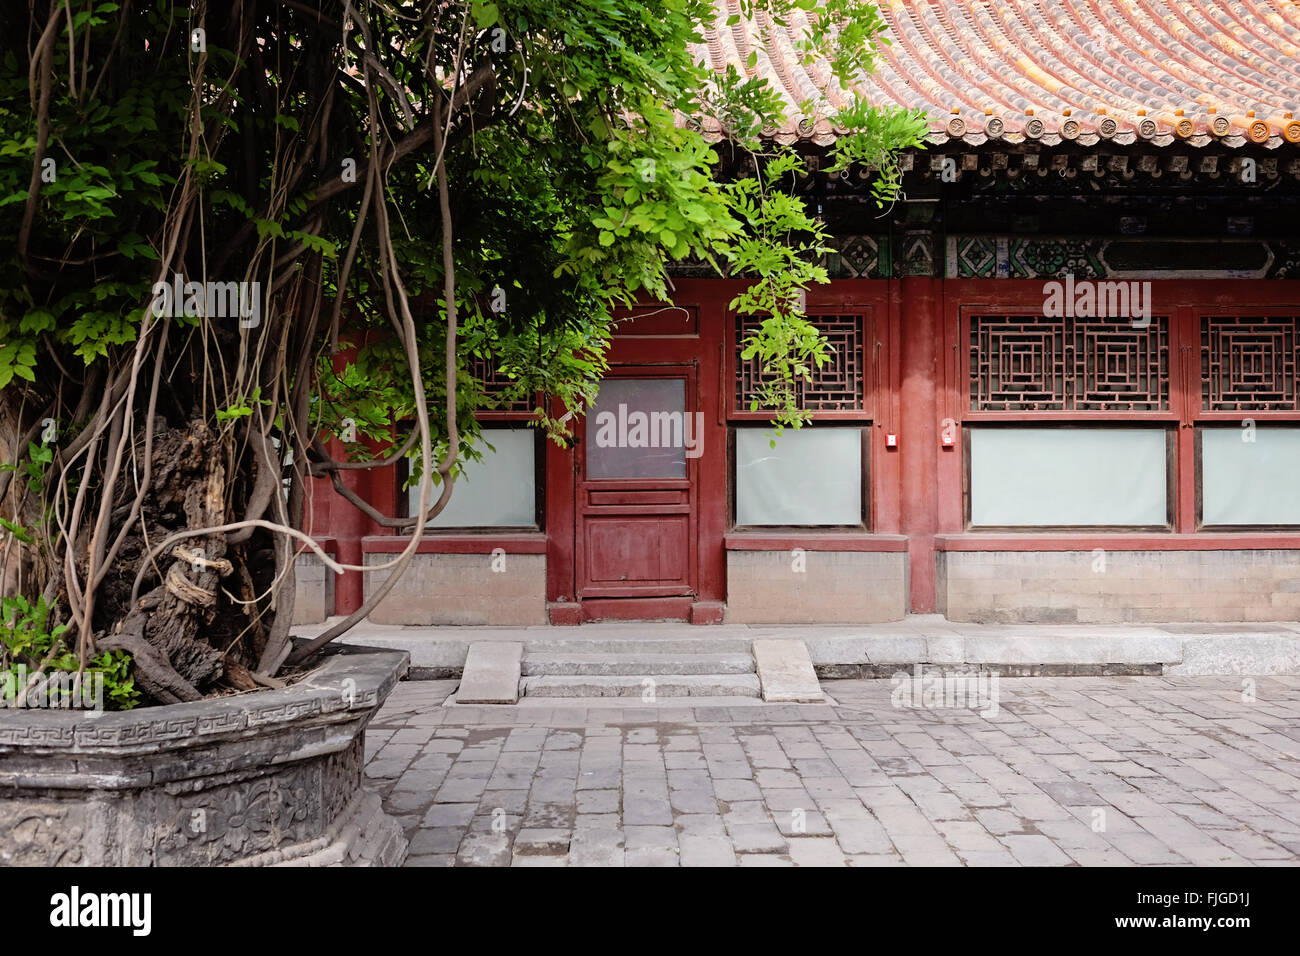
[{"x": 1094, "y": 771}]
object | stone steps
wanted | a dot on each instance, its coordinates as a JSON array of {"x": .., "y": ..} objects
[
  {"x": 633, "y": 646},
  {"x": 635, "y": 686},
  {"x": 634, "y": 663}
]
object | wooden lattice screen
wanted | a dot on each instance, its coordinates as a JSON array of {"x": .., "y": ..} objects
[
  {"x": 1249, "y": 363},
  {"x": 1022, "y": 363},
  {"x": 484, "y": 369},
  {"x": 839, "y": 385}
]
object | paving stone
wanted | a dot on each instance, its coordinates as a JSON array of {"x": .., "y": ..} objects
[
  {"x": 461, "y": 790},
  {"x": 789, "y": 798},
  {"x": 775, "y": 779},
  {"x": 701, "y": 824},
  {"x": 705, "y": 851},
  {"x": 646, "y": 811},
  {"x": 596, "y": 847},
  {"x": 550, "y": 815},
  {"x": 685, "y": 760},
  {"x": 484, "y": 849},
  {"x": 801, "y": 822},
  {"x": 688, "y": 779},
  {"x": 513, "y": 802},
  {"x": 875, "y": 859},
  {"x": 756, "y": 838},
  {"x": 598, "y": 801},
  {"x": 695, "y": 801},
  {"x": 528, "y": 860},
  {"x": 1183, "y": 773},
  {"x": 636, "y": 837},
  {"x": 399, "y": 801},
  {"x": 816, "y": 851},
  {"x": 729, "y": 769},
  {"x": 436, "y": 840},
  {"x": 449, "y": 815},
  {"x": 924, "y": 850},
  {"x": 861, "y": 836},
  {"x": 386, "y": 768},
  {"x": 597, "y": 821},
  {"x": 651, "y": 856},
  {"x": 746, "y": 811},
  {"x": 554, "y": 842}
]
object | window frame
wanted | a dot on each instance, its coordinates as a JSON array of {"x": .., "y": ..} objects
[
  {"x": 1168, "y": 419},
  {"x": 1171, "y": 477},
  {"x": 486, "y": 427},
  {"x": 1221, "y": 424},
  {"x": 865, "y": 525}
]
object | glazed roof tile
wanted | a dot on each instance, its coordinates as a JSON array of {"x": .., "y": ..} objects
[{"x": 1159, "y": 71}]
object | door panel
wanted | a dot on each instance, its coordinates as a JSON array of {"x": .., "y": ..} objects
[
  {"x": 636, "y": 485},
  {"x": 638, "y": 551}
]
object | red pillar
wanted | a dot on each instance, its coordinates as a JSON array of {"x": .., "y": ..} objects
[
  {"x": 349, "y": 525},
  {"x": 921, "y": 325}
]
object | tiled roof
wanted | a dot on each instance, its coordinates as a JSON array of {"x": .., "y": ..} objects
[{"x": 1124, "y": 70}]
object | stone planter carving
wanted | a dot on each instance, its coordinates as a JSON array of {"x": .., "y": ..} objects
[{"x": 259, "y": 779}]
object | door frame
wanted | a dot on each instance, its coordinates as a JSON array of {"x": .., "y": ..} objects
[
  {"x": 655, "y": 342},
  {"x": 687, "y": 372}
]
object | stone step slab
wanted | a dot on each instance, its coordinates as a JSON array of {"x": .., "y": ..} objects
[
  {"x": 634, "y": 664},
  {"x": 704, "y": 644},
  {"x": 492, "y": 670},
  {"x": 786, "y": 672},
  {"x": 634, "y": 686}
]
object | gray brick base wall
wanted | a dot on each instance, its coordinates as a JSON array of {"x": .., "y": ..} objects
[
  {"x": 1117, "y": 587},
  {"x": 834, "y": 587},
  {"x": 463, "y": 589},
  {"x": 313, "y": 591}
]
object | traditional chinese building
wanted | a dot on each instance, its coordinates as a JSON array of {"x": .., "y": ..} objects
[{"x": 1064, "y": 382}]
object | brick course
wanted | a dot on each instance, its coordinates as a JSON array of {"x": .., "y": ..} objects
[
  {"x": 463, "y": 589},
  {"x": 836, "y": 587},
  {"x": 1060, "y": 587}
]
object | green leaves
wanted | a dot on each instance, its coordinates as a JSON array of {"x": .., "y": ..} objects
[
  {"x": 485, "y": 14},
  {"x": 17, "y": 358},
  {"x": 27, "y": 637}
]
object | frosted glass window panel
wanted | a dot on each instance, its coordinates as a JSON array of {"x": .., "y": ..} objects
[
  {"x": 1068, "y": 477},
  {"x": 498, "y": 491},
  {"x": 639, "y": 428},
  {"x": 1250, "y": 482},
  {"x": 812, "y": 477}
]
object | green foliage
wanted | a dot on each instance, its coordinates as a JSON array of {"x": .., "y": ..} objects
[
  {"x": 577, "y": 171},
  {"x": 28, "y": 642},
  {"x": 574, "y": 197}
]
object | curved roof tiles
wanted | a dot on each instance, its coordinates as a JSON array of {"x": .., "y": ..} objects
[{"x": 1125, "y": 70}]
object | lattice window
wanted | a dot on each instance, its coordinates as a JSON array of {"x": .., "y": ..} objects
[
  {"x": 1021, "y": 363},
  {"x": 1249, "y": 363},
  {"x": 484, "y": 369},
  {"x": 839, "y": 385}
]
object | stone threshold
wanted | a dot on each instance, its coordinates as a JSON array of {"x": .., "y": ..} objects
[{"x": 880, "y": 650}]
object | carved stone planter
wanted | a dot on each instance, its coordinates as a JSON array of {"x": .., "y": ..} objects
[{"x": 260, "y": 779}]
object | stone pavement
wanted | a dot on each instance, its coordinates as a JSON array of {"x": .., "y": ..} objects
[{"x": 1070, "y": 770}]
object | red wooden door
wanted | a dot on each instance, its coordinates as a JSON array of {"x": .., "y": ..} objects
[{"x": 637, "y": 475}]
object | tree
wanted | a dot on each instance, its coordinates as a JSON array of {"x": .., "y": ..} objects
[{"x": 234, "y": 231}]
